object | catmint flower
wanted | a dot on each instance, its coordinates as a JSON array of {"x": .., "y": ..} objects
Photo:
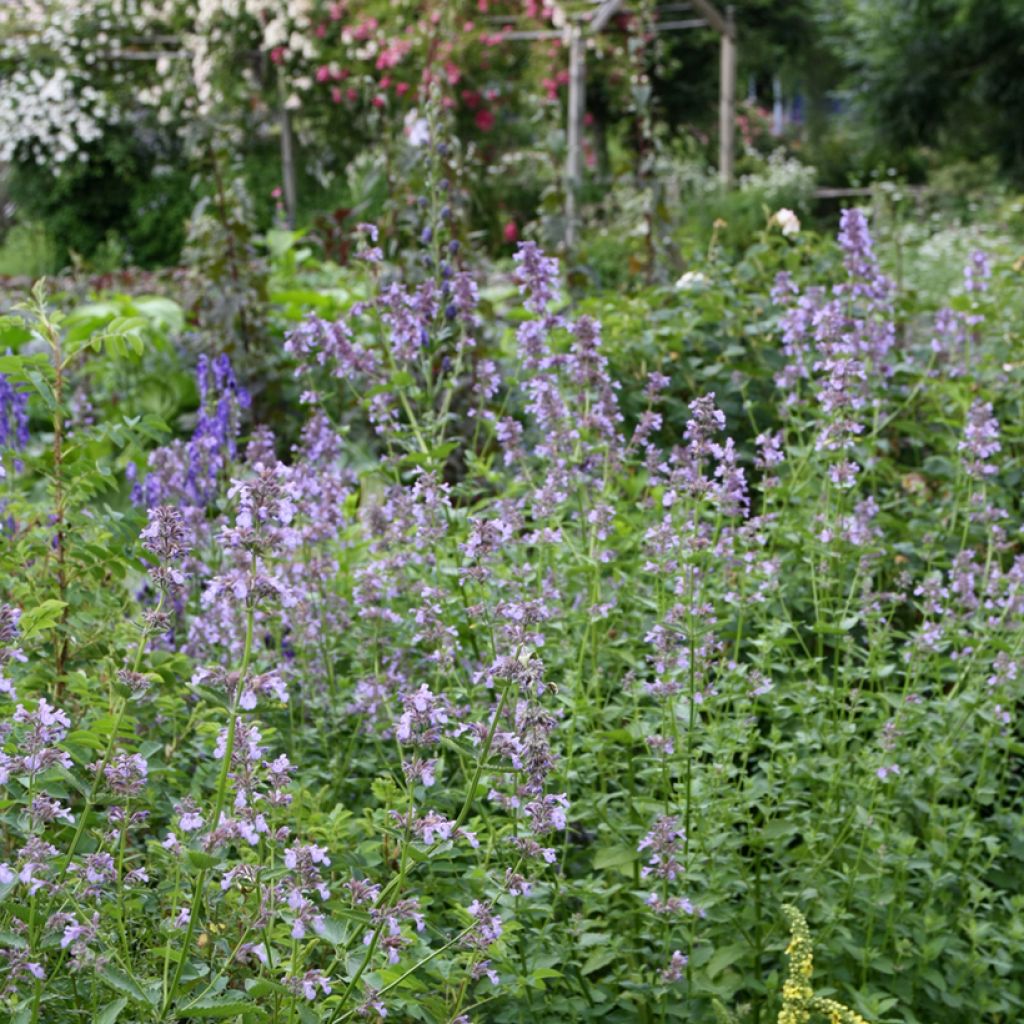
[
  {"x": 189, "y": 818},
  {"x": 885, "y": 771},
  {"x": 372, "y": 1006},
  {"x": 125, "y": 774},
  {"x": 487, "y": 926},
  {"x": 46, "y": 726},
  {"x": 77, "y": 937},
  {"x": 362, "y": 892},
  {"x": 517, "y": 884},
  {"x": 44, "y": 810},
  {"x": 530, "y": 848},
  {"x": 548, "y": 813},
  {"x": 843, "y": 474},
  {"x": 981, "y": 440},
  {"x": 677, "y": 964},
  {"x": 977, "y": 273},
  {"x": 537, "y": 277},
  {"x": 97, "y": 868},
  {"x": 423, "y": 770},
  {"x": 859, "y": 256},
  {"x": 9, "y": 616},
  {"x": 18, "y": 966},
  {"x": 1004, "y": 670},
  {"x": 165, "y": 535},
  {"x": 308, "y": 984},
  {"x": 770, "y": 452},
  {"x": 13, "y": 417},
  {"x": 665, "y": 841},
  {"x": 482, "y": 968},
  {"x": 673, "y": 906},
  {"x": 423, "y": 714}
]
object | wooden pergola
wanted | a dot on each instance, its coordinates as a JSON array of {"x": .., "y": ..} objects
[
  {"x": 589, "y": 24},
  {"x": 581, "y": 27}
]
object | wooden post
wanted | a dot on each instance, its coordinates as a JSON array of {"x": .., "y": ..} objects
[
  {"x": 727, "y": 103},
  {"x": 574, "y": 140},
  {"x": 778, "y": 106},
  {"x": 291, "y": 199}
]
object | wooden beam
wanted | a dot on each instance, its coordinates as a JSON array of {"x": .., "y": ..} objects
[
  {"x": 682, "y": 23},
  {"x": 530, "y": 36},
  {"x": 719, "y": 22},
  {"x": 604, "y": 14},
  {"x": 727, "y": 102}
]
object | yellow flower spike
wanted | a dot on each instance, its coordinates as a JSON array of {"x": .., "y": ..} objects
[{"x": 798, "y": 998}]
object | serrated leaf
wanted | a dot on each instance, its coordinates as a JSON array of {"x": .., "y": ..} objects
[
  {"x": 214, "y": 1007},
  {"x": 116, "y": 978}
]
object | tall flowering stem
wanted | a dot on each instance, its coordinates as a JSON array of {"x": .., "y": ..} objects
[
  {"x": 798, "y": 998},
  {"x": 111, "y": 743},
  {"x": 218, "y": 805},
  {"x": 51, "y": 333}
]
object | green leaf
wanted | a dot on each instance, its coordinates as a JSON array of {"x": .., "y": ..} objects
[
  {"x": 161, "y": 312},
  {"x": 308, "y": 1016},
  {"x": 597, "y": 960},
  {"x": 614, "y": 857},
  {"x": 43, "y": 387},
  {"x": 260, "y": 987},
  {"x": 230, "y": 1005},
  {"x": 725, "y": 956},
  {"x": 203, "y": 860},
  {"x": 43, "y": 616},
  {"x": 111, "y": 1011},
  {"x": 116, "y": 978},
  {"x": 332, "y": 931}
]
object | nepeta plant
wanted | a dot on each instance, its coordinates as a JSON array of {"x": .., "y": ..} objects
[{"x": 484, "y": 704}]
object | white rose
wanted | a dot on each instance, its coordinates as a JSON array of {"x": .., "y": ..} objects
[
  {"x": 691, "y": 281},
  {"x": 786, "y": 221}
]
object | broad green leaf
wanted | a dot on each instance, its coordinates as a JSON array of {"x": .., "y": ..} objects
[
  {"x": 117, "y": 979},
  {"x": 202, "y": 860},
  {"x": 614, "y": 857},
  {"x": 725, "y": 956},
  {"x": 598, "y": 959}
]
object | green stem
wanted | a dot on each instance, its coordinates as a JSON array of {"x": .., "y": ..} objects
[{"x": 218, "y": 807}]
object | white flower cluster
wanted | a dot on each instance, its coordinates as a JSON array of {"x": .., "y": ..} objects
[
  {"x": 70, "y": 68},
  {"x": 52, "y": 104},
  {"x": 782, "y": 178},
  {"x": 49, "y": 116}
]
